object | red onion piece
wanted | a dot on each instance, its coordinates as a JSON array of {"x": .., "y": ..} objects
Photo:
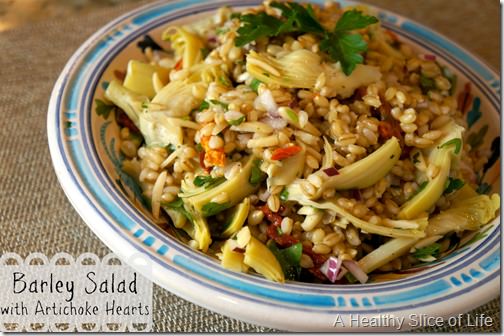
[
  {"x": 238, "y": 249},
  {"x": 429, "y": 57},
  {"x": 331, "y": 268},
  {"x": 264, "y": 197},
  {"x": 266, "y": 100},
  {"x": 331, "y": 171},
  {"x": 276, "y": 123},
  {"x": 356, "y": 271}
]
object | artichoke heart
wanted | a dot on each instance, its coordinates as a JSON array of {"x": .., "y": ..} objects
[
  {"x": 129, "y": 101},
  {"x": 297, "y": 69},
  {"x": 236, "y": 190},
  {"x": 139, "y": 77},
  {"x": 159, "y": 129},
  {"x": 302, "y": 68},
  {"x": 263, "y": 261},
  {"x": 442, "y": 157},
  {"x": 358, "y": 175},
  {"x": 230, "y": 259},
  {"x": 239, "y": 217},
  {"x": 198, "y": 230},
  {"x": 416, "y": 230},
  {"x": 177, "y": 98},
  {"x": 187, "y": 45},
  {"x": 468, "y": 214}
]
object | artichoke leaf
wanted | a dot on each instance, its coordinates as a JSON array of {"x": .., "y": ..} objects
[
  {"x": 238, "y": 218},
  {"x": 177, "y": 99},
  {"x": 302, "y": 68},
  {"x": 358, "y": 175},
  {"x": 291, "y": 168},
  {"x": 236, "y": 189},
  {"x": 130, "y": 102},
  {"x": 331, "y": 205},
  {"x": 441, "y": 156},
  {"x": 139, "y": 77},
  {"x": 263, "y": 261}
]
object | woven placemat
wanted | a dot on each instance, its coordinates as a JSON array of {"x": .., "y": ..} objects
[{"x": 35, "y": 215}]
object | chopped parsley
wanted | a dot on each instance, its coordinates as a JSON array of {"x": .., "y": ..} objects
[
  {"x": 235, "y": 16},
  {"x": 340, "y": 44},
  {"x": 289, "y": 259},
  {"x": 221, "y": 30},
  {"x": 236, "y": 122},
  {"x": 457, "y": 142},
  {"x": 203, "y": 106},
  {"x": 424, "y": 252},
  {"x": 453, "y": 184},
  {"x": 224, "y": 81},
  {"x": 284, "y": 195},
  {"x": 178, "y": 205},
  {"x": 256, "y": 175},
  {"x": 212, "y": 208},
  {"x": 420, "y": 188},
  {"x": 415, "y": 158},
  {"x": 254, "y": 84},
  {"x": 292, "y": 115},
  {"x": 426, "y": 84},
  {"x": 218, "y": 102},
  {"x": 205, "y": 51},
  {"x": 208, "y": 181}
]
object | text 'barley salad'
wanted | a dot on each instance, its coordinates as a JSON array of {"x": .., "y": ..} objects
[{"x": 300, "y": 142}]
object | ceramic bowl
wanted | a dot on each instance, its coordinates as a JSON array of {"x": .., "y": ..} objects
[{"x": 87, "y": 160}]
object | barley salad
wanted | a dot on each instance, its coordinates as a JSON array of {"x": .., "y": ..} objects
[{"x": 300, "y": 142}]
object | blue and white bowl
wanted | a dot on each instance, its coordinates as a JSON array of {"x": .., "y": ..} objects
[{"x": 87, "y": 161}]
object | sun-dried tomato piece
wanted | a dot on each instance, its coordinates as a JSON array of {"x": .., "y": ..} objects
[
  {"x": 285, "y": 152},
  {"x": 124, "y": 121}
]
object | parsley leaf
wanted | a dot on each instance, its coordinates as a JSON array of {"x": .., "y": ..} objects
[
  {"x": 218, "y": 102},
  {"x": 420, "y": 188},
  {"x": 456, "y": 141},
  {"x": 289, "y": 259},
  {"x": 256, "y": 26},
  {"x": 352, "y": 20},
  {"x": 426, "y": 84},
  {"x": 340, "y": 44},
  {"x": 221, "y": 30},
  {"x": 236, "y": 122},
  {"x": 453, "y": 185},
  {"x": 103, "y": 109},
  {"x": 254, "y": 84},
  {"x": 346, "y": 47},
  {"x": 178, "y": 205},
  {"x": 203, "y": 106},
  {"x": 424, "y": 252},
  {"x": 415, "y": 158},
  {"x": 256, "y": 175},
  {"x": 208, "y": 181},
  {"x": 212, "y": 208},
  {"x": 284, "y": 195},
  {"x": 299, "y": 18}
]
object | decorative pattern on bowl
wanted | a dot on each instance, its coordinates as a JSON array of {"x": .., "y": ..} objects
[{"x": 87, "y": 160}]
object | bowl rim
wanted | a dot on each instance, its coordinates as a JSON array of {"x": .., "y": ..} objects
[{"x": 85, "y": 206}]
